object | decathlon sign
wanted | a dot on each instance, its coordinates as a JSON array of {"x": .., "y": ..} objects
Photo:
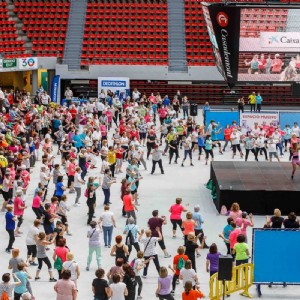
[
  {"x": 117, "y": 85},
  {"x": 280, "y": 39}
]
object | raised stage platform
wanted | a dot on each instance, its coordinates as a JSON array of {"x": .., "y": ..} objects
[{"x": 258, "y": 187}]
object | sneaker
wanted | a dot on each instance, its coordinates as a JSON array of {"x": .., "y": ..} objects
[
  {"x": 87, "y": 268},
  {"x": 33, "y": 263},
  {"x": 7, "y": 250},
  {"x": 182, "y": 165},
  {"x": 167, "y": 255},
  {"x": 52, "y": 279},
  {"x": 108, "y": 246},
  {"x": 192, "y": 165},
  {"x": 37, "y": 278},
  {"x": 173, "y": 293},
  {"x": 139, "y": 297},
  {"x": 144, "y": 276},
  {"x": 72, "y": 192}
]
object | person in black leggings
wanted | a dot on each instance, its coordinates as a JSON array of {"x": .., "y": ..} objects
[{"x": 176, "y": 210}]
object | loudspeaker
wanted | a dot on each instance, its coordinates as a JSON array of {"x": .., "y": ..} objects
[
  {"x": 193, "y": 109},
  {"x": 225, "y": 267}
]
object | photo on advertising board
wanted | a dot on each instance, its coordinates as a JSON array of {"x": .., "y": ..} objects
[{"x": 269, "y": 45}]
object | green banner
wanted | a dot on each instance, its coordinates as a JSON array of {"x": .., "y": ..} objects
[{"x": 9, "y": 63}]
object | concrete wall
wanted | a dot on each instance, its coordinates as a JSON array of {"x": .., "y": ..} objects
[{"x": 141, "y": 73}]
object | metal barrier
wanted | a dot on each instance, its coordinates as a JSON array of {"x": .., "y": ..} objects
[{"x": 242, "y": 279}]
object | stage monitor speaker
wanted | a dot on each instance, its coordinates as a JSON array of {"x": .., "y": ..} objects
[
  {"x": 193, "y": 109},
  {"x": 225, "y": 267}
]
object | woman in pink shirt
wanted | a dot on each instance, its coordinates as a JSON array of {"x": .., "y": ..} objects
[
  {"x": 25, "y": 175},
  {"x": 175, "y": 217},
  {"x": 235, "y": 211},
  {"x": 19, "y": 207},
  {"x": 36, "y": 205},
  {"x": 243, "y": 223},
  {"x": 61, "y": 251}
]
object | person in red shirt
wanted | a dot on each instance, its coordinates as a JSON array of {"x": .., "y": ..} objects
[
  {"x": 71, "y": 174},
  {"x": 73, "y": 112},
  {"x": 134, "y": 134},
  {"x": 227, "y": 134},
  {"x": 189, "y": 293},
  {"x": 129, "y": 205},
  {"x": 178, "y": 266}
]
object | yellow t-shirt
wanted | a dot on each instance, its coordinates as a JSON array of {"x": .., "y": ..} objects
[
  {"x": 3, "y": 162},
  {"x": 252, "y": 99},
  {"x": 111, "y": 157}
]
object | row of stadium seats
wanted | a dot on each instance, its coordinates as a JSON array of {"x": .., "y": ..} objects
[
  {"x": 8, "y": 33},
  {"x": 139, "y": 36},
  {"x": 45, "y": 23}
]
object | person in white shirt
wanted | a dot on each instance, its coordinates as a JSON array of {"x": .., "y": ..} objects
[
  {"x": 2, "y": 97},
  {"x": 295, "y": 129},
  {"x": 235, "y": 138},
  {"x": 188, "y": 274},
  {"x": 31, "y": 238},
  {"x": 277, "y": 136},
  {"x": 108, "y": 223},
  {"x": 45, "y": 99},
  {"x": 260, "y": 145},
  {"x": 96, "y": 137},
  {"x": 136, "y": 94},
  {"x": 118, "y": 288},
  {"x": 77, "y": 185},
  {"x": 272, "y": 149},
  {"x": 255, "y": 130},
  {"x": 68, "y": 95},
  {"x": 71, "y": 265}
]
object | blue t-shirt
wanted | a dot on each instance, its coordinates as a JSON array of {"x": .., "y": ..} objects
[
  {"x": 10, "y": 223},
  {"x": 134, "y": 230},
  {"x": 133, "y": 186},
  {"x": 77, "y": 141},
  {"x": 154, "y": 108},
  {"x": 56, "y": 123},
  {"x": 227, "y": 230},
  {"x": 258, "y": 99},
  {"x": 201, "y": 141},
  {"x": 59, "y": 191},
  {"x": 197, "y": 218},
  {"x": 166, "y": 102},
  {"x": 23, "y": 278}
]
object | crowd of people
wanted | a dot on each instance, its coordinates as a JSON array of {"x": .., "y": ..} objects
[{"x": 118, "y": 138}]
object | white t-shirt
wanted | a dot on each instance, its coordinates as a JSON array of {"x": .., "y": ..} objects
[
  {"x": 94, "y": 236},
  {"x": 71, "y": 265},
  {"x": 43, "y": 179},
  {"x": 296, "y": 130},
  {"x": 188, "y": 275},
  {"x": 77, "y": 179},
  {"x": 33, "y": 231},
  {"x": 151, "y": 248},
  {"x": 272, "y": 146},
  {"x": 118, "y": 290},
  {"x": 260, "y": 142},
  {"x": 106, "y": 218},
  {"x": 235, "y": 138},
  {"x": 138, "y": 263}
]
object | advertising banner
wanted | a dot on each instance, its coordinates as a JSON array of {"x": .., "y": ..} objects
[
  {"x": 280, "y": 40},
  {"x": 117, "y": 85},
  {"x": 247, "y": 120},
  {"x": 225, "y": 22},
  {"x": 54, "y": 88},
  {"x": 28, "y": 63}
]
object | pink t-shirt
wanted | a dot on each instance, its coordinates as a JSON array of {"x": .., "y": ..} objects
[
  {"x": 235, "y": 214},
  {"x": 36, "y": 202},
  {"x": 18, "y": 201},
  {"x": 246, "y": 222},
  {"x": 62, "y": 253},
  {"x": 64, "y": 289},
  {"x": 176, "y": 210},
  {"x": 233, "y": 237}
]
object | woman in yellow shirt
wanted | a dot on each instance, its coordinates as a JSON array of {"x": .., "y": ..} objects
[{"x": 112, "y": 159}]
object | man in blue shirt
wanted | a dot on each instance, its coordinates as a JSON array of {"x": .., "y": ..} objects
[{"x": 10, "y": 225}]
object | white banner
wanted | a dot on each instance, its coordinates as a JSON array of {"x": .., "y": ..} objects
[
  {"x": 118, "y": 85},
  {"x": 28, "y": 63},
  {"x": 247, "y": 120},
  {"x": 280, "y": 40}
]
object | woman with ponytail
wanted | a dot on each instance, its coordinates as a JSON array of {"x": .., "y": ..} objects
[{"x": 189, "y": 293}]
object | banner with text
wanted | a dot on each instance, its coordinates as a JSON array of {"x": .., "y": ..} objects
[
  {"x": 247, "y": 120},
  {"x": 54, "y": 88},
  {"x": 280, "y": 40},
  {"x": 118, "y": 85},
  {"x": 18, "y": 64},
  {"x": 225, "y": 23},
  {"x": 28, "y": 63}
]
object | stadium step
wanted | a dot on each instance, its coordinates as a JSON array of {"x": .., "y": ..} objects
[
  {"x": 176, "y": 36},
  {"x": 75, "y": 32}
]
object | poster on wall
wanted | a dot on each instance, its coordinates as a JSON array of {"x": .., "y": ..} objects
[
  {"x": 117, "y": 85},
  {"x": 28, "y": 63},
  {"x": 247, "y": 120},
  {"x": 8, "y": 64}
]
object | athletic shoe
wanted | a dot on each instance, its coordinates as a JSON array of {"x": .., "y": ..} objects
[
  {"x": 167, "y": 255},
  {"x": 33, "y": 263},
  {"x": 145, "y": 277},
  {"x": 87, "y": 268},
  {"x": 52, "y": 279},
  {"x": 139, "y": 297}
]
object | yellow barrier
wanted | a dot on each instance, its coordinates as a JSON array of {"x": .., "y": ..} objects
[{"x": 242, "y": 279}]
